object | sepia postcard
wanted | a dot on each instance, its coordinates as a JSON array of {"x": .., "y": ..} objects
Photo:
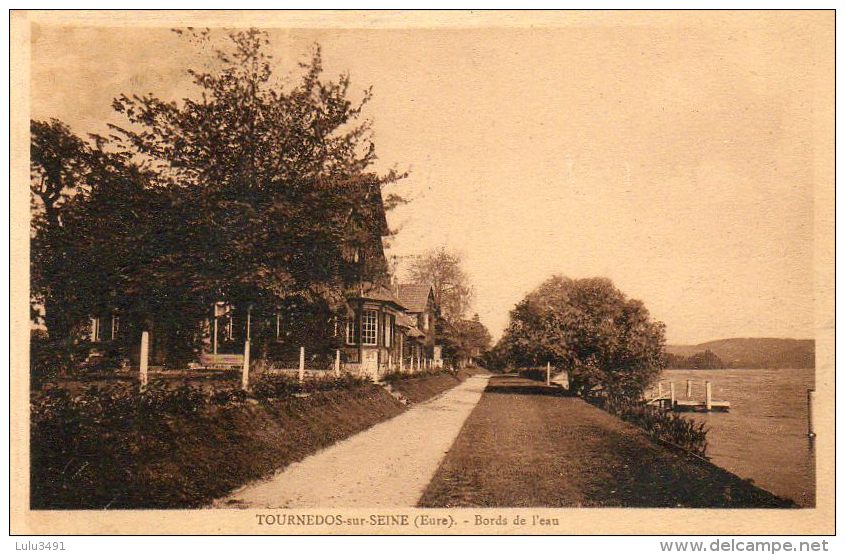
[{"x": 415, "y": 273}]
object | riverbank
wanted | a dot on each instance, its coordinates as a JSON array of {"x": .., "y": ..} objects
[
  {"x": 118, "y": 450},
  {"x": 522, "y": 447}
]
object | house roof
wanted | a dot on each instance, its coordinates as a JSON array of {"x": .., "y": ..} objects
[
  {"x": 415, "y": 332},
  {"x": 368, "y": 186},
  {"x": 405, "y": 321},
  {"x": 375, "y": 292},
  {"x": 414, "y": 296},
  {"x": 410, "y": 324}
]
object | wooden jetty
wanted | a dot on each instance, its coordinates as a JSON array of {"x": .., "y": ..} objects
[{"x": 669, "y": 401}]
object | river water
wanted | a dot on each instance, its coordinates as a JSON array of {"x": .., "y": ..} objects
[{"x": 764, "y": 436}]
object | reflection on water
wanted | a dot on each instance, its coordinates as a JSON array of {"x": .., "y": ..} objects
[{"x": 764, "y": 436}]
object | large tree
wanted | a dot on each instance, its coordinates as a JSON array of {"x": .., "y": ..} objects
[
  {"x": 251, "y": 191},
  {"x": 443, "y": 270},
  {"x": 591, "y": 329},
  {"x": 89, "y": 233},
  {"x": 268, "y": 178},
  {"x": 465, "y": 339},
  {"x": 59, "y": 162}
]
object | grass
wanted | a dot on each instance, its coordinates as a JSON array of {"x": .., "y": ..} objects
[{"x": 525, "y": 446}]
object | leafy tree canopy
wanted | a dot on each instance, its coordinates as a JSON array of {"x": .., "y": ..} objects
[
  {"x": 590, "y": 328},
  {"x": 443, "y": 270},
  {"x": 463, "y": 339},
  {"x": 250, "y": 191}
]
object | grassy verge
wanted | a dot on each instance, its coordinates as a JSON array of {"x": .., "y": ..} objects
[
  {"x": 422, "y": 387},
  {"x": 523, "y": 447},
  {"x": 183, "y": 448}
]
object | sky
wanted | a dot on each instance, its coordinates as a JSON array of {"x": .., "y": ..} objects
[{"x": 674, "y": 157}]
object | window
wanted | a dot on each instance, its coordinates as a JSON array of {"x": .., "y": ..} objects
[
  {"x": 369, "y": 328},
  {"x": 351, "y": 331},
  {"x": 104, "y": 329}
]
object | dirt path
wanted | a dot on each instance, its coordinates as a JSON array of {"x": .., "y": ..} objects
[
  {"x": 388, "y": 465},
  {"x": 526, "y": 446}
]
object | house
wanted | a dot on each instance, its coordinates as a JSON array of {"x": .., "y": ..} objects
[
  {"x": 420, "y": 306},
  {"x": 374, "y": 334}
]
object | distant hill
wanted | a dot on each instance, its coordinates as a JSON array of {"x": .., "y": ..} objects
[{"x": 755, "y": 352}]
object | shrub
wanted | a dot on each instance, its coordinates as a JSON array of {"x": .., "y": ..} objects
[
  {"x": 49, "y": 358},
  {"x": 85, "y": 442},
  {"x": 274, "y": 386},
  {"x": 185, "y": 399},
  {"x": 271, "y": 386},
  {"x": 663, "y": 425},
  {"x": 396, "y": 376},
  {"x": 233, "y": 396},
  {"x": 331, "y": 382}
]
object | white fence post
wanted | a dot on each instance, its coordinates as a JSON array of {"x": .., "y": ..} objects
[
  {"x": 708, "y": 396},
  {"x": 672, "y": 395},
  {"x": 145, "y": 356},
  {"x": 548, "y": 373},
  {"x": 302, "y": 364},
  {"x": 337, "y": 362},
  {"x": 245, "y": 371}
]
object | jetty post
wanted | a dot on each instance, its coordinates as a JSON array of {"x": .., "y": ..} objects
[
  {"x": 811, "y": 402},
  {"x": 708, "y": 395},
  {"x": 245, "y": 369},
  {"x": 689, "y": 389},
  {"x": 145, "y": 359}
]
